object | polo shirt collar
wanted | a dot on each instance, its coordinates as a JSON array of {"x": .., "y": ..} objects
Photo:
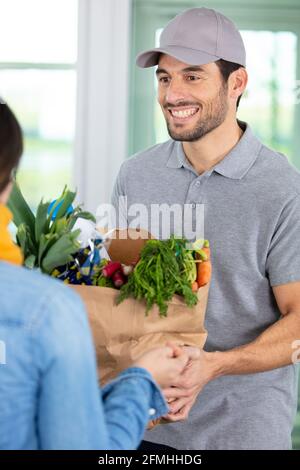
[{"x": 234, "y": 165}]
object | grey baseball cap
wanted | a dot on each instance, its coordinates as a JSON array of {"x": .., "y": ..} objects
[{"x": 198, "y": 36}]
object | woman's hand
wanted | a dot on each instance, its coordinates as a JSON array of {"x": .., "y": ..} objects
[{"x": 165, "y": 364}]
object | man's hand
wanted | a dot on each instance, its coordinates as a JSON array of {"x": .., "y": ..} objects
[
  {"x": 165, "y": 364},
  {"x": 197, "y": 373},
  {"x": 270, "y": 350}
]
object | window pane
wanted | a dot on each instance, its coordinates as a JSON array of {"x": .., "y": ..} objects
[
  {"x": 44, "y": 102},
  {"x": 270, "y": 98},
  {"x": 38, "y": 31}
]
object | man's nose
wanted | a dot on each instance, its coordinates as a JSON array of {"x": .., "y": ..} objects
[{"x": 175, "y": 92}]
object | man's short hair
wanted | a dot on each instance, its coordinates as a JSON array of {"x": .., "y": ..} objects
[{"x": 226, "y": 68}]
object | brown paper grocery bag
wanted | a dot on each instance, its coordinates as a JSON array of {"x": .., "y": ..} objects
[{"x": 122, "y": 332}]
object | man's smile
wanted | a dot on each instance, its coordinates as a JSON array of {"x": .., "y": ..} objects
[{"x": 183, "y": 113}]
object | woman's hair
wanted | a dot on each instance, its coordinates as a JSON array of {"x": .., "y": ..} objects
[{"x": 11, "y": 144}]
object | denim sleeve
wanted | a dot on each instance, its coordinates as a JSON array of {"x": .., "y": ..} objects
[
  {"x": 71, "y": 413},
  {"x": 130, "y": 401}
]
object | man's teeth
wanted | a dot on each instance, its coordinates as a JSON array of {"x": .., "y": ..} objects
[{"x": 184, "y": 113}]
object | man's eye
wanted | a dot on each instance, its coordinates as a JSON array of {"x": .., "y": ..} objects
[
  {"x": 163, "y": 79},
  {"x": 192, "y": 78}
]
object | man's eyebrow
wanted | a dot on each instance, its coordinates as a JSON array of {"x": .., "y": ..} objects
[
  {"x": 159, "y": 70},
  {"x": 193, "y": 68}
]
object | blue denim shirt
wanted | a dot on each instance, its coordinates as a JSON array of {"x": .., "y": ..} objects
[{"x": 49, "y": 395}]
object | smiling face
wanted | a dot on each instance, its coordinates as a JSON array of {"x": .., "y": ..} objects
[{"x": 194, "y": 99}]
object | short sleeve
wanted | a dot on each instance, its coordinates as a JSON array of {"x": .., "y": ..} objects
[
  {"x": 118, "y": 217},
  {"x": 283, "y": 260}
]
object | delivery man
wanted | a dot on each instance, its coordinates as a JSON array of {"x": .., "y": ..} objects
[{"x": 241, "y": 393}]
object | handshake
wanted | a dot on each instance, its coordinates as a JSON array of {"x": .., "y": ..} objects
[{"x": 181, "y": 372}]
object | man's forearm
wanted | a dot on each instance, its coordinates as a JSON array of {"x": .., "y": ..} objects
[{"x": 272, "y": 349}]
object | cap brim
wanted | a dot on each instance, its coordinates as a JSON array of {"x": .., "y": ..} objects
[{"x": 184, "y": 54}]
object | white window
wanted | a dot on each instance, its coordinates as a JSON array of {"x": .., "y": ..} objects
[{"x": 38, "y": 54}]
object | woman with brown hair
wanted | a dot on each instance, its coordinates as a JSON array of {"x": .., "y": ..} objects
[{"x": 49, "y": 396}]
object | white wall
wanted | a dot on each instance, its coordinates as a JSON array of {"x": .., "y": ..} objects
[{"x": 102, "y": 99}]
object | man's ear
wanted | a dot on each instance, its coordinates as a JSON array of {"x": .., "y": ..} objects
[
  {"x": 4, "y": 196},
  {"x": 237, "y": 82}
]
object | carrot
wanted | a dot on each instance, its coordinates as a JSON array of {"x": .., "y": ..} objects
[
  {"x": 206, "y": 249},
  {"x": 203, "y": 254},
  {"x": 203, "y": 273},
  {"x": 194, "y": 286}
]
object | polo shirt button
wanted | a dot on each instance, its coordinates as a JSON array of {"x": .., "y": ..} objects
[
  {"x": 198, "y": 183},
  {"x": 152, "y": 412}
]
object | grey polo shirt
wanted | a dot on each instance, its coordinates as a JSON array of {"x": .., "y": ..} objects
[{"x": 252, "y": 219}]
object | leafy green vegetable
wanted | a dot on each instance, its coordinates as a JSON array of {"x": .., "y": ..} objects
[
  {"x": 25, "y": 240},
  {"x": 98, "y": 278},
  {"x": 21, "y": 210},
  {"x": 164, "y": 269},
  {"x": 47, "y": 243},
  {"x": 41, "y": 219},
  {"x": 30, "y": 261},
  {"x": 60, "y": 253}
]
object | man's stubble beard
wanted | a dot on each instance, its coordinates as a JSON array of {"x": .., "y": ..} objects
[{"x": 215, "y": 115}]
